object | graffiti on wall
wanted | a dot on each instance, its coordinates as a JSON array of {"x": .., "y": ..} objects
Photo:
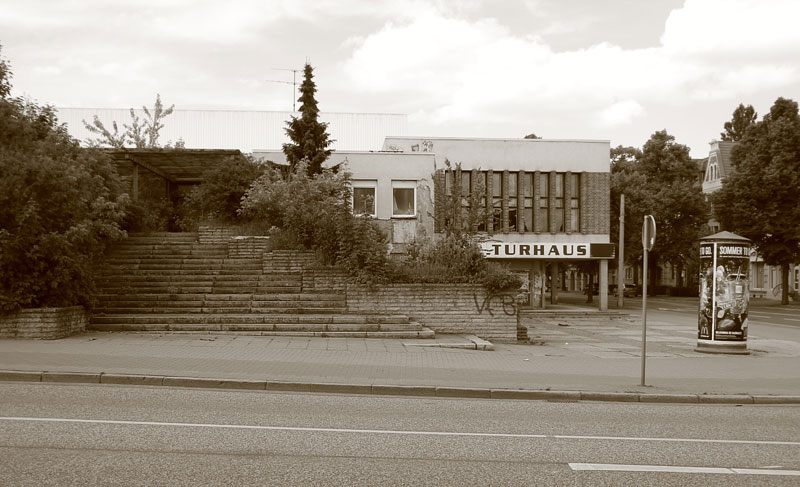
[{"x": 505, "y": 302}]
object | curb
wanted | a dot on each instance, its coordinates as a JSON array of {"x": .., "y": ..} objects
[{"x": 390, "y": 390}]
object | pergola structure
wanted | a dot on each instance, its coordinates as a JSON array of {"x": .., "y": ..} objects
[{"x": 176, "y": 167}]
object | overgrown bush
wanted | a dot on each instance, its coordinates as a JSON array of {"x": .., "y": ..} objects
[
  {"x": 149, "y": 215},
  {"x": 456, "y": 257},
  {"x": 219, "y": 196},
  {"x": 59, "y": 206},
  {"x": 314, "y": 212}
]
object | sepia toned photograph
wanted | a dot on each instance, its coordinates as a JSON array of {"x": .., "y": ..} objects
[{"x": 399, "y": 243}]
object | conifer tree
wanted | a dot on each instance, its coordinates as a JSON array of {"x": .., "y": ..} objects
[{"x": 309, "y": 136}]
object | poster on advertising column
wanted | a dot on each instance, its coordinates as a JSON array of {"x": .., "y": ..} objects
[{"x": 724, "y": 291}]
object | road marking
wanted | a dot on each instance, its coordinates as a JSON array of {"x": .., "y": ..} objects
[
  {"x": 393, "y": 432},
  {"x": 680, "y": 469}
]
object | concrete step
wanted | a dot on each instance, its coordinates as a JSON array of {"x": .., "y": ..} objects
[
  {"x": 110, "y": 272},
  {"x": 143, "y": 308},
  {"x": 277, "y": 330},
  {"x": 182, "y": 259},
  {"x": 245, "y": 318}
]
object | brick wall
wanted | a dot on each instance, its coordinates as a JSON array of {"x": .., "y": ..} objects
[
  {"x": 444, "y": 308},
  {"x": 47, "y": 323},
  {"x": 595, "y": 202}
]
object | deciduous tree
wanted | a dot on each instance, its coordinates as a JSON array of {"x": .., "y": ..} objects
[
  {"x": 760, "y": 200},
  {"x": 743, "y": 117},
  {"x": 142, "y": 134},
  {"x": 661, "y": 180},
  {"x": 59, "y": 205}
]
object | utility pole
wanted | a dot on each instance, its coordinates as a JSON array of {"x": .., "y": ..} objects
[
  {"x": 293, "y": 83},
  {"x": 621, "y": 255}
]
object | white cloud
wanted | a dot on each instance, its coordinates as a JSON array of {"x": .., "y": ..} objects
[
  {"x": 744, "y": 28},
  {"x": 457, "y": 68},
  {"x": 621, "y": 113}
]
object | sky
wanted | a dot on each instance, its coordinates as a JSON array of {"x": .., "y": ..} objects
[{"x": 615, "y": 70}]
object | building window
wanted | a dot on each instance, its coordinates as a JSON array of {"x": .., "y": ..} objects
[
  {"x": 574, "y": 202},
  {"x": 466, "y": 193},
  {"x": 364, "y": 198},
  {"x": 513, "y": 179},
  {"x": 544, "y": 201},
  {"x": 757, "y": 277},
  {"x": 558, "y": 214},
  {"x": 479, "y": 188},
  {"x": 527, "y": 199},
  {"x": 404, "y": 198},
  {"x": 712, "y": 173},
  {"x": 497, "y": 202}
]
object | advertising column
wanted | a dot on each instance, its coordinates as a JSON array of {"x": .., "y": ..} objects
[{"x": 724, "y": 294}]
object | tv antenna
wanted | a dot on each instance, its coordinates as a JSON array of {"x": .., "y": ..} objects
[{"x": 293, "y": 83}]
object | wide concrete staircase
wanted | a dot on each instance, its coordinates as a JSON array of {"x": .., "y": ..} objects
[{"x": 168, "y": 282}]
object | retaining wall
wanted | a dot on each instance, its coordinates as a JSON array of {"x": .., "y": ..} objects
[
  {"x": 444, "y": 308},
  {"x": 46, "y": 323}
]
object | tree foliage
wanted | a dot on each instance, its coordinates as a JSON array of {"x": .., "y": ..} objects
[
  {"x": 743, "y": 117},
  {"x": 141, "y": 134},
  {"x": 309, "y": 136},
  {"x": 315, "y": 212},
  {"x": 761, "y": 199},
  {"x": 59, "y": 205},
  {"x": 532, "y": 136},
  {"x": 219, "y": 196},
  {"x": 660, "y": 180}
]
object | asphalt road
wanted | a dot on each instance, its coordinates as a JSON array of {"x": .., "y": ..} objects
[{"x": 72, "y": 434}]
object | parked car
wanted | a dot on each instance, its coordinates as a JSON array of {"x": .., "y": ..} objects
[{"x": 629, "y": 291}]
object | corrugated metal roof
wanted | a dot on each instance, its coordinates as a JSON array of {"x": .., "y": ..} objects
[{"x": 245, "y": 130}]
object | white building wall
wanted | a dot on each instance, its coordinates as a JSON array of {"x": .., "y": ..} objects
[
  {"x": 244, "y": 130},
  {"x": 510, "y": 154}
]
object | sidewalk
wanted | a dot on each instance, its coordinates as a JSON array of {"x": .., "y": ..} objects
[{"x": 580, "y": 361}]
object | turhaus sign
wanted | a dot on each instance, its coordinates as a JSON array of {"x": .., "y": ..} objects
[{"x": 545, "y": 250}]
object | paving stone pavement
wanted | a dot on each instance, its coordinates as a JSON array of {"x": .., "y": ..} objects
[{"x": 602, "y": 355}]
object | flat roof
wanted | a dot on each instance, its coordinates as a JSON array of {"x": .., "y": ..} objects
[{"x": 176, "y": 165}]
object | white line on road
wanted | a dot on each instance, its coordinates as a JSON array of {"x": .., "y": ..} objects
[
  {"x": 393, "y": 432},
  {"x": 680, "y": 469}
]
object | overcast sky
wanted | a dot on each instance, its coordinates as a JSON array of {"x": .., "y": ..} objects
[{"x": 616, "y": 70}]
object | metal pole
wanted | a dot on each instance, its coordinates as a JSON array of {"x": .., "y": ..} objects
[
  {"x": 644, "y": 312},
  {"x": 620, "y": 257}
]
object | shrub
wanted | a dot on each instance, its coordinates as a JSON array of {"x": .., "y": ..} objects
[
  {"x": 219, "y": 196},
  {"x": 314, "y": 212},
  {"x": 149, "y": 215},
  {"x": 499, "y": 278},
  {"x": 59, "y": 206}
]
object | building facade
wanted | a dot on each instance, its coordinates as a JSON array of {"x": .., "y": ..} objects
[
  {"x": 539, "y": 206},
  {"x": 544, "y": 204}
]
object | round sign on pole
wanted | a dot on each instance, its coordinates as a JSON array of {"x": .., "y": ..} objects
[{"x": 648, "y": 232}]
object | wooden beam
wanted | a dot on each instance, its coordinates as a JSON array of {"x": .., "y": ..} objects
[
  {"x": 135, "y": 181},
  {"x": 150, "y": 168}
]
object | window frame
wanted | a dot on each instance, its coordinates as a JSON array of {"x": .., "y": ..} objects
[
  {"x": 365, "y": 184},
  {"x": 405, "y": 184}
]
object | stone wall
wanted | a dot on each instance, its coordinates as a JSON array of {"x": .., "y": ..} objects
[
  {"x": 444, "y": 308},
  {"x": 47, "y": 323}
]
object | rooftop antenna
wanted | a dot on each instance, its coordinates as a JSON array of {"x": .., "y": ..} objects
[{"x": 293, "y": 83}]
